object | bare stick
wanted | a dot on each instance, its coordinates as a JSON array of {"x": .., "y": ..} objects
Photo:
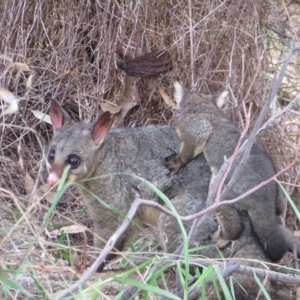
[
  {"x": 254, "y": 78},
  {"x": 235, "y": 153},
  {"x": 295, "y": 257},
  {"x": 191, "y": 43},
  {"x": 273, "y": 275},
  {"x": 279, "y": 114}
]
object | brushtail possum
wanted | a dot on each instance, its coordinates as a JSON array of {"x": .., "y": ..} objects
[
  {"x": 202, "y": 128},
  {"x": 102, "y": 154}
]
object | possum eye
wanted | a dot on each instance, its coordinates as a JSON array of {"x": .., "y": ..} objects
[
  {"x": 51, "y": 155},
  {"x": 73, "y": 161}
]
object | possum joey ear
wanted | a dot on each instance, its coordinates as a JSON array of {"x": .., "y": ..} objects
[
  {"x": 180, "y": 92},
  {"x": 58, "y": 116},
  {"x": 100, "y": 128},
  {"x": 220, "y": 99}
]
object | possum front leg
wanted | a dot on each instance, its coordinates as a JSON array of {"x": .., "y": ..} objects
[
  {"x": 176, "y": 161},
  {"x": 193, "y": 143},
  {"x": 230, "y": 226}
]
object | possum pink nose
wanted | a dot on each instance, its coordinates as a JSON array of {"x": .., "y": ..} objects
[{"x": 53, "y": 178}]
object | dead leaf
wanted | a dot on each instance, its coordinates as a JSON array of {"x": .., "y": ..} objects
[
  {"x": 131, "y": 96},
  {"x": 68, "y": 229},
  {"x": 112, "y": 109},
  {"x": 19, "y": 66},
  {"x": 21, "y": 161},
  {"x": 166, "y": 97},
  {"x": 41, "y": 116},
  {"x": 29, "y": 81},
  {"x": 9, "y": 98},
  {"x": 29, "y": 183}
]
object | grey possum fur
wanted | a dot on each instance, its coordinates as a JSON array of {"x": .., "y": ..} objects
[{"x": 202, "y": 128}]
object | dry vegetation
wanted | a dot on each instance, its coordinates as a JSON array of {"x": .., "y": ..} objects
[{"x": 68, "y": 50}]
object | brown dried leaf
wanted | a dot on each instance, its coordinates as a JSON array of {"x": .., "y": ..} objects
[
  {"x": 29, "y": 183},
  {"x": 41, "y": 116},
  {"x": 112, "y": 109},
  {"x": 20, "y": 66},
  {"x": 166, "y": 97},
  {"x": 130, "y": 97}
]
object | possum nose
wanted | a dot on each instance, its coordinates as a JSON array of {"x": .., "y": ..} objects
[{"x": 53, "y": 178}]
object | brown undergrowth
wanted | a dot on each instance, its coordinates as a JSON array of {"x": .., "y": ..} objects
[{"x": 70, "y": 51}]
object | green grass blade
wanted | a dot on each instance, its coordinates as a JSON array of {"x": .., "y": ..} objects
[
  {"x": 296, "y": 210},
  {"x": 261, "y": 286},
  {"x": 7, "y": 283},
  {"x": 146, "y": 287},
  {"x": 223, "y": 284}
]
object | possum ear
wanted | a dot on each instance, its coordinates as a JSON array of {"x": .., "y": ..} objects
[
  {"x": 101, "y": 128},
  {"x": 180, "y": 92},
  {"x": 58, "y": 116},
  {"x": 220, "y": 99}
]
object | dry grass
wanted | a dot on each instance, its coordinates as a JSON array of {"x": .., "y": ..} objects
[{"x": 68, "y": 51}]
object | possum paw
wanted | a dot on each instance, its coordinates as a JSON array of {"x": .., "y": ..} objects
[
  {"x": 173, "y": 163},
  {"x": 217, "y": 237}
]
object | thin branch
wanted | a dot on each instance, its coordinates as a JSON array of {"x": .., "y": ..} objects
[
  {"x": 260, "y": 272},
  {"x": 291, "y": 23},
  {"x": 295, "y": 257},
  {"x": 213, "y": 188},
  {"x": 279, "y": 114},
  {"x": 254, "y": 78},
  {"x": 279, "y": 33},
  {"x": 191, "y": 43},
  {"x": 235, "y": 153},
  {"x": 198, "y": 23}
]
